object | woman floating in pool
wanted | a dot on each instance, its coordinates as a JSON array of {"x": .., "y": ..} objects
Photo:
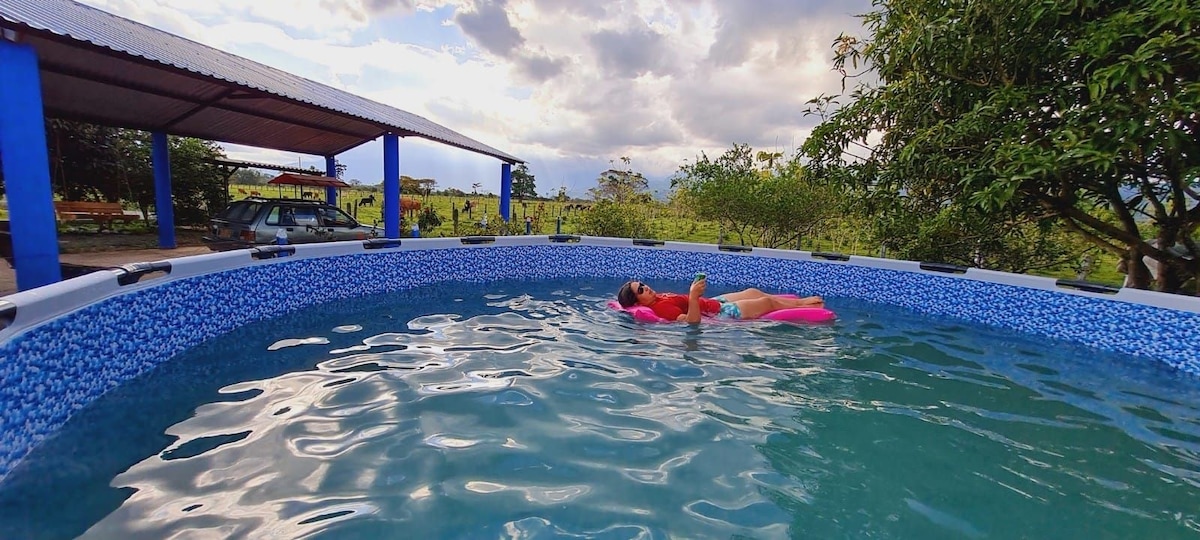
[{"x": 747, "y": 304}]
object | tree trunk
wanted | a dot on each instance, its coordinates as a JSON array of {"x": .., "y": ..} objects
[
  {"x": 1170, "y": 279},
  {"x": 1138, "y": 274}
]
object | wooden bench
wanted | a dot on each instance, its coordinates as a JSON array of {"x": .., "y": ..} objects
[{"x": 103, "y": 213}]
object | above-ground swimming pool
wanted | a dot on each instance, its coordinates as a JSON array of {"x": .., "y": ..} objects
[{"x": 446, "y": 390}]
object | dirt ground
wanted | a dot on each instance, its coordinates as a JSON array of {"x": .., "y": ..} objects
[
  {"x": 90, "y": 251},
  {"x": 89, "y": 242}
]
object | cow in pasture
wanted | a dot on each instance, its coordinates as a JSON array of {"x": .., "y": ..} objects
[{"x": 410, "y": 206}]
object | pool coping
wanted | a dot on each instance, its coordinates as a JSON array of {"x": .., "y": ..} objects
[{"x": 35, "y": 307}]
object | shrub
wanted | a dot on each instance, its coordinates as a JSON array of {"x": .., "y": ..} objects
[
  {"x": 621, "y": 220},
  {"x": 429, "y": 219}
]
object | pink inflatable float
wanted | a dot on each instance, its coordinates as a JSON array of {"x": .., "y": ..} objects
[{"x": 804, "y": 314}]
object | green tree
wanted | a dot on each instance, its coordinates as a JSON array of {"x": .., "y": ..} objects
[
  {"x": 620, "y": 185},
  {"x": 615, "y": 219},
  {"x": 1030, "y": 110},
  {"x": 421, "y": 186},
  {"x": 411, "y": 186},
  {"x": 967, "y": 235},
  {"x": 523, "y": 183},
  {"x": 620, "y": 196},
  {"x": 197, "y": 185},
  {"x": 250, "y": 177},
  {"x": 90, "y": 162},
  {"x": 773, "y": 208}
]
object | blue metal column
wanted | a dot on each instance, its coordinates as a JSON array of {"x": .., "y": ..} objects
[
  {"x": 391, "y": 185},
  {"x": 160, "y": 154},
  {"x": 505, "y": 191},
  {"x": 26, "y": 174},
  {"x": 331, "y": 171}
]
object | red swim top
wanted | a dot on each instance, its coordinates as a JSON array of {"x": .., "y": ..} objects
[{"x": 670, "y": 306}]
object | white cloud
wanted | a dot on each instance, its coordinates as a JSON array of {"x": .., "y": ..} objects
[{"x": 564, "y": 83}]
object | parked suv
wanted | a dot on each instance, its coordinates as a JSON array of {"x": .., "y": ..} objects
[{"x": 255, "y": 221}]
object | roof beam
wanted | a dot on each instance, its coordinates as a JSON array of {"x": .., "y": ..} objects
[
  {"x": 92, "y": 119},
  {"x": 199, "y": 107},
  {"x": 70, "y": 72},
  {"x": 358, "y": 144}
]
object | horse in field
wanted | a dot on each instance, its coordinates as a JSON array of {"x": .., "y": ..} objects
[{"x": 407, "y": 204}]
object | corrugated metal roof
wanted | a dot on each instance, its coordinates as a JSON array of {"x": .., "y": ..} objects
[
  {"x": 257, "y": 165},
  {"x": 102, "y": 68},
  {"x": 292, "y": 179}
]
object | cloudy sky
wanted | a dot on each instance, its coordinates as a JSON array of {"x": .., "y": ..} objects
[{"x": 568, "y": 85}]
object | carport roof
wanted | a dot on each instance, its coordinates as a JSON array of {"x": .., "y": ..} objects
[
  {"x": 101, "y": 68},
  {"x": 291, "y": 179}
]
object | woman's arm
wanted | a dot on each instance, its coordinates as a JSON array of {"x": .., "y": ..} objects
[{"x": 693, "y": 312}]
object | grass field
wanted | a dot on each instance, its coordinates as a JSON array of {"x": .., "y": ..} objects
[{"x": 666, "y": 223}]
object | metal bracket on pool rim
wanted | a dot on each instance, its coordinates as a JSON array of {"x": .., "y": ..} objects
[
  {"x": 474, "y": 240},
  {"x": 735, "y": 248},
  {"x": 562, "y": 238},
  {"x": 133, "y": 273},
  {"x": 8, "y": 314},
  {"x": 1088, "y": 286},
  {"x": 271, "y": 252},
  {"x": 944, "y": 267},
  {"x": 648, "y": 242},
  {"x": 830, "y": 256},
  {"x": 381, "y": 243}
]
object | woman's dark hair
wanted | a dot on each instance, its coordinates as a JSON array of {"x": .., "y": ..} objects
[{"x": 625, "y": 295}]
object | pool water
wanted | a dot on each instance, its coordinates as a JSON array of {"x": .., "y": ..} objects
[{"x": 531, "y": 410}]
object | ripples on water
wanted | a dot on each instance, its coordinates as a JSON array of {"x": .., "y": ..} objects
[{"x": 530, "y": 410}]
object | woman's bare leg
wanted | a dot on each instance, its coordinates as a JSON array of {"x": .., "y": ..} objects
[
  {"x": 757, "y": 307},
  {"x": 808, "y": 301},
  {"x": 754, "y": 294},
  {"x": 748, "y": 294}
]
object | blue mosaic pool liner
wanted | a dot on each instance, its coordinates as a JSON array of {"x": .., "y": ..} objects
[{"x": 61, "y": 366}]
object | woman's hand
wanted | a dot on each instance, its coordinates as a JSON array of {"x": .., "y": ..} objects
[{"x": 698, "y": 288}]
